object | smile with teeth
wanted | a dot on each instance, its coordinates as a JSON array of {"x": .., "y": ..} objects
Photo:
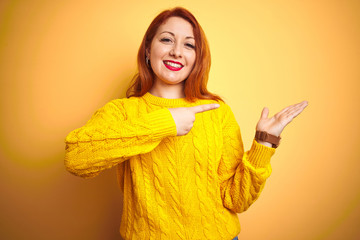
[{"x": 173, "y": 66}]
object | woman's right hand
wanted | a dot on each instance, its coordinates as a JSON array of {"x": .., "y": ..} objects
[{"x": 184, "y": 117}]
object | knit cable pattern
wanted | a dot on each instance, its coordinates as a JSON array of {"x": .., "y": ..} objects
[{"x": 175, "y": 187}]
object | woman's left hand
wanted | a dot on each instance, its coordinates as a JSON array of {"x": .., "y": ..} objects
[{"x": 276, "y": 124}]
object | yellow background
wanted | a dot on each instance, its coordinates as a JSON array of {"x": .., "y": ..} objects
[{"x": 62, "y": 60}]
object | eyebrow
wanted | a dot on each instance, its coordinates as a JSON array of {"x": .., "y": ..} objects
[{"x": 174, "y": 34}]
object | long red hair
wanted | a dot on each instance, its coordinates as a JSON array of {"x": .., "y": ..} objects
[{"x": 195, "y": 84}]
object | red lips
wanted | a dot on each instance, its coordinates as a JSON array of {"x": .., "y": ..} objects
[{"x": 173, "y": 65}]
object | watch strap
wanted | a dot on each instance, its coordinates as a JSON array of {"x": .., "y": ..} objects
[{"x": 267, "y": 137}]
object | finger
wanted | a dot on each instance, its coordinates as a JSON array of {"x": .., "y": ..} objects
[
  {"x": 292, "y": 107},
  {"x": 289, "y": 116},
  {"x": 204, "y": 107},
  {"x": 296, "y": 111},
  {"x": 298, "y": 106},
  {"x": 288, "y": 113},
  {"x": 284, "y": 110},
  {"x": 264, "y": 113},
  {"x": 302, "y": 104}
]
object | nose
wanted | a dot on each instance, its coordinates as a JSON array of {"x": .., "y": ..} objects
[{"x": 176, "y": 50}]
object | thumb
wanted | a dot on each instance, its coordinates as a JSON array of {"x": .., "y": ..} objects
[
  {"x": 264, "y": 113},
  {"x": 204, "y": 107}
]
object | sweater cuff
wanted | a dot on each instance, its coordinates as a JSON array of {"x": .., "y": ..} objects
[
  {"x": 162, "y": 124},
  {"x": 260, "y": 155}
]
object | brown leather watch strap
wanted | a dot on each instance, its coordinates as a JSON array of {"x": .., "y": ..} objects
[{"x": 267, "y": 137}]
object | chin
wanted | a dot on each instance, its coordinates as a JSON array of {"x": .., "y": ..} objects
[{"x": 172, "y": 81}]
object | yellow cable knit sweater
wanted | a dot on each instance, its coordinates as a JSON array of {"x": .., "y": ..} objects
[{"x": 175, "y": 187}]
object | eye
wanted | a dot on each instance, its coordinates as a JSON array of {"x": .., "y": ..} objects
[
  {"x": 189, "y": 45},
  {"x": 165, "y": 40}
]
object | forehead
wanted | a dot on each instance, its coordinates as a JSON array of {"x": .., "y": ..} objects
[{"x": 176, "y": 25}]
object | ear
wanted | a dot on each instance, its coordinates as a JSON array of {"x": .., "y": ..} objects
[{"x": 147, "y": 52}]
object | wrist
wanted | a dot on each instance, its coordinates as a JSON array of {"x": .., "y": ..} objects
[
  {"x": 267, "y": 139},
  {"x": 264, "y": 143}
]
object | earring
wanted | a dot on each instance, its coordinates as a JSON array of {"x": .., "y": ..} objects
[{"x": 147, "y": 60}]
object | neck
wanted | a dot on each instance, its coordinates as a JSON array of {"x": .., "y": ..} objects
[{"x": 170, "y": 91}]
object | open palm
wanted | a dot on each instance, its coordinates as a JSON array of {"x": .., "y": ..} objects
[{"x": 276, "y": 124}]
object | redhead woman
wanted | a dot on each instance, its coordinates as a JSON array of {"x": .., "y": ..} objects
[{"x": 177, "y": 147}]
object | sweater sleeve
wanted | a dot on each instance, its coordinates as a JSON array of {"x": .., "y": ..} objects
[
  {"x": 242, "y": 174},
  {"x": 110, "y": 137}
]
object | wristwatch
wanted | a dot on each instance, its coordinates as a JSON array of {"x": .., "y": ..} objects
[{"x": 267, "y": 137}]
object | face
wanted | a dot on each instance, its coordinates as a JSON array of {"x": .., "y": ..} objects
[{"x": 172, "y": 51}]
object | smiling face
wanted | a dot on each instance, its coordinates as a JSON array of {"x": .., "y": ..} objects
[{"x": 172, "y": 51}]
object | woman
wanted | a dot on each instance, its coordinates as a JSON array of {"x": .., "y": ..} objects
[{"x": 177, "y": 147}]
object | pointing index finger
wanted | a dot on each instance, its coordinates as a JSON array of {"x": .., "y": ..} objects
[{"x": 204, "y": 107}]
